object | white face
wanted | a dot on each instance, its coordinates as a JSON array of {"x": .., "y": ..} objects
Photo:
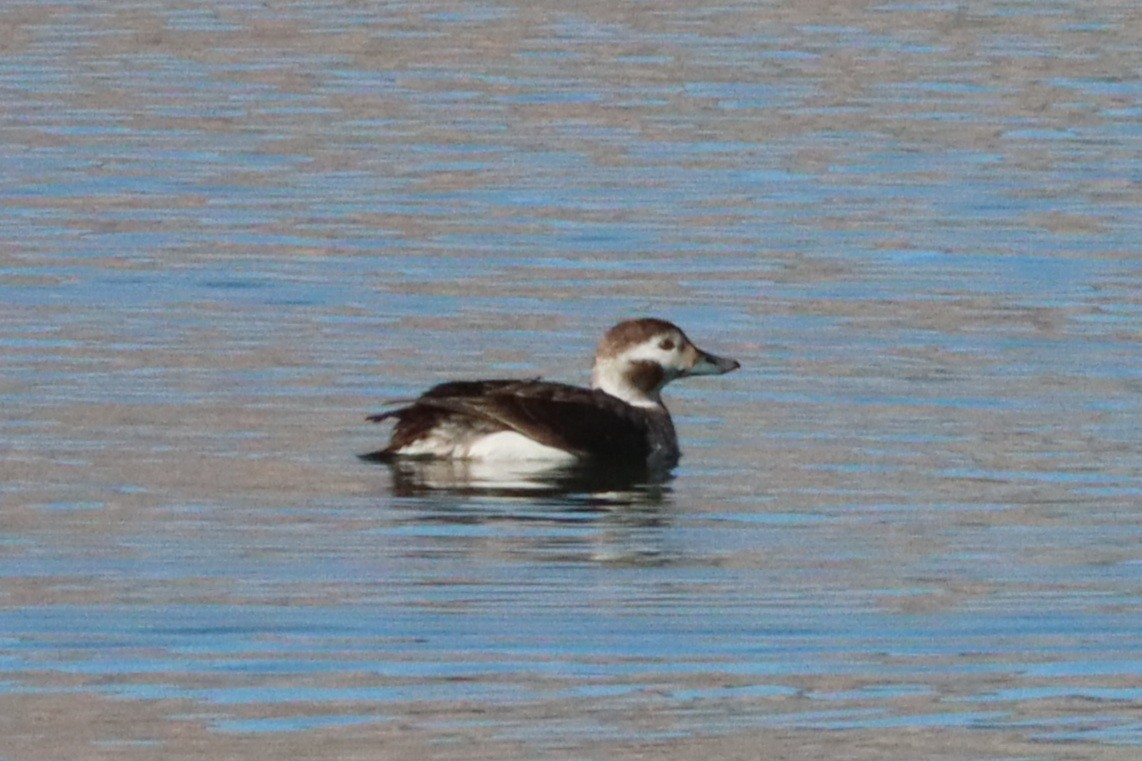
[
  {"x": 680, "y": 358},
  {"x": 633, "y": 374},
  {"x": 671, "y": 351}
]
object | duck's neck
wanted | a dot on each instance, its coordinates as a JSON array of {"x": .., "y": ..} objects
[{"x": 637, "y": 383}]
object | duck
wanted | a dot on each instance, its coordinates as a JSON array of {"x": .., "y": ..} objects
[{"x": 619, "y": 421}]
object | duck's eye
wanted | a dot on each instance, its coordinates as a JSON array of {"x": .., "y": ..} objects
[{"x": 666, "y": 344}]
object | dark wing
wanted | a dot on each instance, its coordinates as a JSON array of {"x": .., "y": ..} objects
[
  {"x": 451, "y": 390},
  {"x": 586, "y": 422},
  {"x": 418, "y": 418}
]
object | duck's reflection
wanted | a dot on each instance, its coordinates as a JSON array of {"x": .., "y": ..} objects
[
  {"x": 640, "y": 485},
  {"x": 551, "y": 513}
]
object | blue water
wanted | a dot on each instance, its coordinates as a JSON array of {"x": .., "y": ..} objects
[{"x": 231, "y": 235}]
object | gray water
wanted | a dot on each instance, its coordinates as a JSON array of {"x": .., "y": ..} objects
[{"x": 230, "y": 231}]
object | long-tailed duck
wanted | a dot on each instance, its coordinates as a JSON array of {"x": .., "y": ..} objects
[{"x": 620, "y": 420}]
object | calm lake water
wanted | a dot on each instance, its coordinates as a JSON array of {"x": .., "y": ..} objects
[{"x": 230, "y": 230}]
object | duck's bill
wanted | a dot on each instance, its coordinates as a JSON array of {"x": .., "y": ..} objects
[{"x": 709, "y": 364}]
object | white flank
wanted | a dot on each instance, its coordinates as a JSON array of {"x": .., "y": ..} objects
[
  {"x": 509, "y": 445},
  {"x": 433, "y": 445}
]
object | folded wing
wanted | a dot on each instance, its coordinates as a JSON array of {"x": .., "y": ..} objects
[{"x": 583, "y": 421}]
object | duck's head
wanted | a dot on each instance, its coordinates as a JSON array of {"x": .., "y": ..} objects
[{"x": 637, "y": 358}]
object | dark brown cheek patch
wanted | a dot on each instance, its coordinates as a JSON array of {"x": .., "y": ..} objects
[{"x": 646, "y": 376}]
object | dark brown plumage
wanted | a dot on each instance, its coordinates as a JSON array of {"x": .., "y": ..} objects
[
  {"x": 586, "y": 422},
  {"x": 632, "y": 332}
]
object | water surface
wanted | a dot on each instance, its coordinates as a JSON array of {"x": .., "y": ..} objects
[{"x": 233, "y": 230}]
